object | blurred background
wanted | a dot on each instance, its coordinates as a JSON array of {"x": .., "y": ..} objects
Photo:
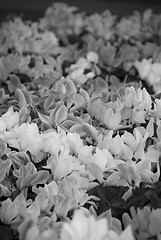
[{"x": 34, "y": 9}]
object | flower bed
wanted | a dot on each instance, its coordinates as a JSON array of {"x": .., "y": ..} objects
[{"x": 80, "y": 126}]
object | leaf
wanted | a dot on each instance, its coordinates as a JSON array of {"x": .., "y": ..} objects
[
  {"x": 61, "y": 114},
  {"x": 110, "y": 198},
  {"x": 78, "y": 128},
  {"x": 41, "y": 177},
  {"x": 13, "y": 82},
  {"x": 45, "y": 127},
  {"x": 21, "y": 98},
  {"x": 4, "y": 168},
  {"x": 85, "y": 95},
  {"x": 43, "y": 118},
  {"x": 3, "y": 147},
  {"x": 68, "y": 124},
  {"x": 70, "y": 87},
  {"x": 6, "y": 232},
  {"x": 28, "y": 180},
  {"x": 2, "y": 94},
  {"x": 4, "y": 191},
  {"x": 78, "y": 100},
  {"x": 70, "y": 99},
  {"x": 90, "y": 130},
  {"x": 49, "y": 100},
  {"x": 23, "y": 115}
]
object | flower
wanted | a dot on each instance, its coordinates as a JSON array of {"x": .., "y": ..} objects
[
  {"x": 77, "y": 71},
  {"x": 129, "y": 27},
  {"x": 55, "y": 143},
  {"x": 151, "y": 72},
  {"x": 154, "y": 77},
  {"x": 25, "y": 137},
  {"x": 92, "y": 57},
  {"x": 10, "y": 118},
  {"x": 13, "y": 213},
  {"x": 101, "y": 25},
  {"x": 143, "y": 67},
  {"x": 138, "y": 99},
  {"x": 2, "y": 126},
  {"x": 85, "y": 226},
  {"x": 145, "y": 222},
  {"x": 136, "y": 140}
]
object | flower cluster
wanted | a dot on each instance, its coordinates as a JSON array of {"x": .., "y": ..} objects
[
  {"x": 80, "y": 125},
  {"x": 145, "y": 222},
  {"x": 150, "y": 72}
]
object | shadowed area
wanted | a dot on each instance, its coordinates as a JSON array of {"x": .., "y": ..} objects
[{"x": 34, "y": 9}]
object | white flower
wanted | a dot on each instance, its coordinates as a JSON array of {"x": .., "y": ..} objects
[
  {"x": 113, "y": 144},
  {"x": 154, "y": 75},
  {"x": 138, "y": 99},
  {"x": 10, "y": 118},
  {"x": 92, "y": 57},
  {"x": 45, "y": 43},
  {"x": 65, "y": 165},
  {"x": 151, "y": 72},
  {"x": 85, "y": 226},
  {"x": 2, "y": 126},
  {"x": 146, "y": 222},
  {"x": 135, "y": 140},
  {"x": 129, "y": 27},
  {"x": 143, "y": 67},
  {"x": 13, "y": 212},
  {"x": 75, "y": 142},
  {"x": 55, "y": 143},
  {"x": 77, "y": 71},
  {"x": 25, "y": 137}
]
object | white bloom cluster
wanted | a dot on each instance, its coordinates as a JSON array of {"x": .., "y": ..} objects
[
  {"x": 84, "y": 226},
  {"x": 77, "y": 71},
  {"x": 25, "y": 37},
  {"x": 150, "y": 72},
  {"x": 9, "y": 120},
  {"x": 145, "y": 221}
]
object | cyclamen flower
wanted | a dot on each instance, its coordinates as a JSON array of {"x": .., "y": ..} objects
[
  {"x": 136, "y": 140},
  {"x": 101, "y": 25},
  {"x": 70, "y": 197},
  {"x": 13, "y": 213},
  {"x": 55, "y": 143},
  {"x": 151, "y": 72},
  {"x": 25, "y": 137},
  {"x": 129, "y": 27},
  {"x": 146, "y": 222},
  {"x": 143, "y": 67},
  {"x": 46, "y": 194},
  {"x": 9, "y": 120},
  {"x": 86, "y": 227},
  {"x": 61, "y": 146},
  {"x": 109, "y": 115},
  {"x": 113, "y": 144},
  {"x": 138, "y": 99},
  {"x": 77, "y": 70},
  {"x": 45, "y": 43}
]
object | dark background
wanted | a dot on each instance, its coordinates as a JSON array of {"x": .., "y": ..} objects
[{"x": 34, "y": 9}]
